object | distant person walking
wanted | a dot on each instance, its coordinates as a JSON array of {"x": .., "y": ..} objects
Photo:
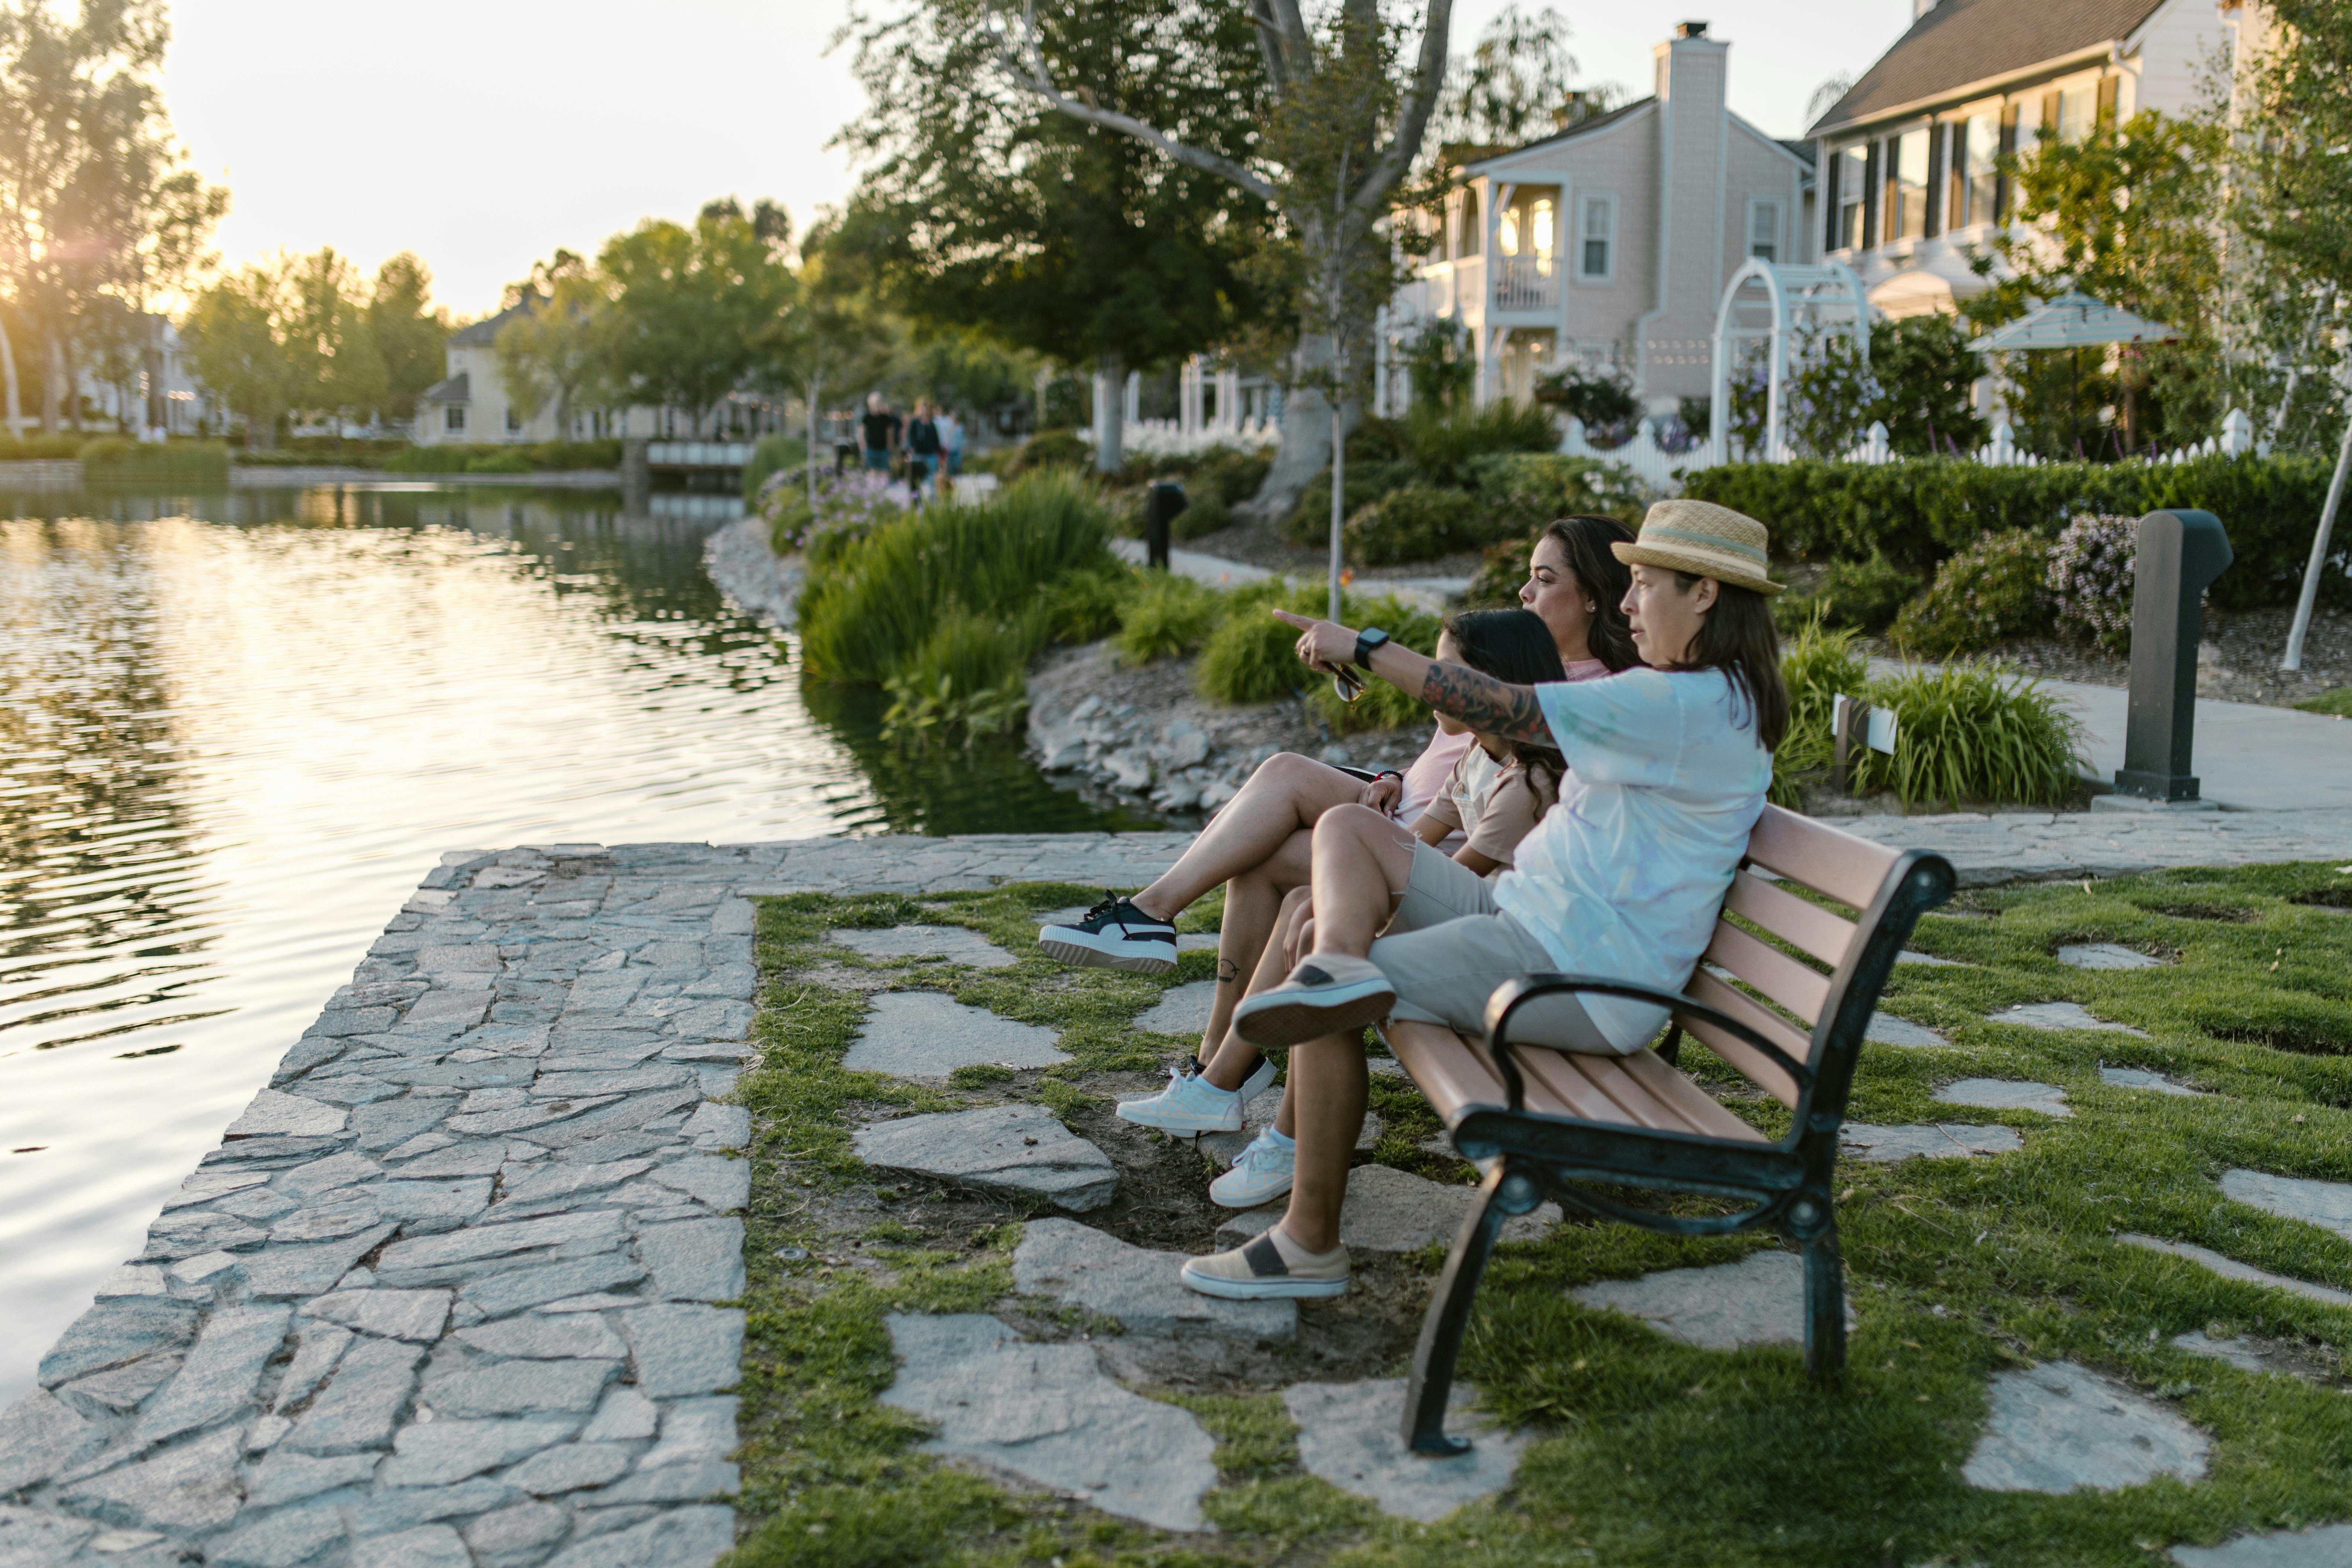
[
  {"x": 880, "y": 428},
  {"x": 923, "y": 445},
  {"x": 952, "y": 440}
]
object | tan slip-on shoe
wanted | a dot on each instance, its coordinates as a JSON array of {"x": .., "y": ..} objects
[
  {"x": 1264, "y": 1270},
  {"x": 1328, "y": 993}
]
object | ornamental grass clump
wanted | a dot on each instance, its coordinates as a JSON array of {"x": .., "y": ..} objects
[
  {"x": 1251, "y": 657},
  {"x": 1972, "y": 732},
  {"x": 1163, "y": 615},
  {"x": 2091, "y": 575},
  {"x": 850, "y": 504},
  {"x": 876, "y": 609},
  {"x": 1818, "y": 664}
]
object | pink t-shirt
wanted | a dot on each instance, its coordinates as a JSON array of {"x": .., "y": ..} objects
[{"x": 1425, "y": 779}]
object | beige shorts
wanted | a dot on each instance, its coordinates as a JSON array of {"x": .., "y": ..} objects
[{"x": 1448, "y": 947}]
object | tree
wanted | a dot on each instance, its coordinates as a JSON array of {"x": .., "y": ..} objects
[
  {"x": 985, "y": 207},
  {"x": 689, "y": 308},
  {"x": 336, "y": 368},
  {"x": 2125, "y": 215},
  {"x": 1334, "y": 120},
  {"x": 235, "y": 335},
  {"x": 1516, "y": 84},
  {"x": 829, "y": 336},
  {"x": 411, "y": 335},
  {"x": 556, "y": 350},
  {"x": 95, "y": 199}
]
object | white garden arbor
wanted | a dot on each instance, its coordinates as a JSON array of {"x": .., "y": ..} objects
[{"x": 1782, "y": 306}]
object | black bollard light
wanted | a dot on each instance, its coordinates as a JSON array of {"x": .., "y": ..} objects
[
  {"x": 1158, "y": 515},
  {"x": 2180, "y": 553}
]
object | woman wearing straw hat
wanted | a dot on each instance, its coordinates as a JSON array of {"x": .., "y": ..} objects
[{"x": 1670, "y": 763}]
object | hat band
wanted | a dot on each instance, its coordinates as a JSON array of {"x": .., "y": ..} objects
[{"x": 1706, "y": 541}]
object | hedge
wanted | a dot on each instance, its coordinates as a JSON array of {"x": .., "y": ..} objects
[{"x": 1917, "y": 512}]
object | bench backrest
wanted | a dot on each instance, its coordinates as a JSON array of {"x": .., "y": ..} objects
[{"x": 1823, "y": 1006}]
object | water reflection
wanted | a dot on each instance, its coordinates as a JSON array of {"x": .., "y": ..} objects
[{"x": 235, "y": 727}]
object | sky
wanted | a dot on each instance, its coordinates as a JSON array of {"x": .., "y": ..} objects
[{"x": 485, "y": 134}]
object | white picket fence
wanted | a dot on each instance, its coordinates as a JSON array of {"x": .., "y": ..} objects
[
  {"x": 1168, "y": 438},
  {"x": 2236, "y": 439}
]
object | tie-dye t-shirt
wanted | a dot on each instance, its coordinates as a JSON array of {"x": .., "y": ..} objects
[{"x": 1623, "y": 879}]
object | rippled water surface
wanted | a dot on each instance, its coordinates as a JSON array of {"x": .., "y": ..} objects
[{"x": 236, "y": 729}]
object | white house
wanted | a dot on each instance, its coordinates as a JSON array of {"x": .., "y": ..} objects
[
  {"x": 189, "y": 409},
  {"x": 1608, "y": 245},
  {"x": 1909, "y": 191},
  {"x": 470, "y": 404}
]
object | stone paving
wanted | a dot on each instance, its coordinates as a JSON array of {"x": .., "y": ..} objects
[{"x": 454, "y": 1287}]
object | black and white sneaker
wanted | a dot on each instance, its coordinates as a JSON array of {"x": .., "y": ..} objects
[{"x": 1113, "y": 934}]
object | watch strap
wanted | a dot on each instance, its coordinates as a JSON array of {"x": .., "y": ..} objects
[{"x": 1367, "y": 642}]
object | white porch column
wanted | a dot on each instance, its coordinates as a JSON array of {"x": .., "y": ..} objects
[
  {"x": 1134, "y": 403},
  {"x": 1101, "y": 402},
  {"x": 1188, "y": 397},
  {"x": 1229, "y": 399}
]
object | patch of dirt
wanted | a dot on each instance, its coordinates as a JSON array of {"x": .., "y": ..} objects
[{"x": 2224, "y": 913}]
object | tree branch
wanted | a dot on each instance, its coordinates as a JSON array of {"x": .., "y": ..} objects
[
  {"x": 1412, "y": 115},
  {"x": 1032, "y": 75}
]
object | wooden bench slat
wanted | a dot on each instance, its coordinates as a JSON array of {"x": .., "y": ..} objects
[
  {"x": 1698, "y": 1106},
  {"x": 1452, "y": 1072},
  {"x": 1800, "y": 990},
  {"x": 1790, "y": 918},
  {"x": 1765, "y": 1073},
  {"x": 1594, "y": 1098},
  {"x": 1822, "y": 858}
]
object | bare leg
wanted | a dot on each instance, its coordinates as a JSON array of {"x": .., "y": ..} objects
[
  {"x": 1235, "y": 1057},
  {"x": 1330, "y": 1084},
  {"x": 1287, "y": 793},
  {"x": 1253, "y": 900},
  {"x": 1362, "y": 863}
]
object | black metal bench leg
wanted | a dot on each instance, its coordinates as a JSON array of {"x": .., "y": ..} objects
[
  {"x": 1824, "y": 1307},
  {"x": 1448, "y": 1320}
]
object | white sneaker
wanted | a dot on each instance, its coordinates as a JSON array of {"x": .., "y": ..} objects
[
  {"x": 1190, "y": 1103},
  {"x": 1263, "y": 1173}
]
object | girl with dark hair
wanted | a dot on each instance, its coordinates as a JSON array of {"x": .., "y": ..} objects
[{"x": 1670, "y": 765}]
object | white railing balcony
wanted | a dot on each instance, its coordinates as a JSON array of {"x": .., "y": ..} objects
[{"x": 1526, "y": 283}]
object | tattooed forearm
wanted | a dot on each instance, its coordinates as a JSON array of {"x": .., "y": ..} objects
[{"x": 1485, "y": 703}]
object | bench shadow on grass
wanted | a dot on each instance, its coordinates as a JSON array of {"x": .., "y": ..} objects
[{"x": 1654, "y": 1452}]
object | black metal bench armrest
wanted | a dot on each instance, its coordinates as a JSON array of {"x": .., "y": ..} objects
[{"x": 1513, "y": 995}]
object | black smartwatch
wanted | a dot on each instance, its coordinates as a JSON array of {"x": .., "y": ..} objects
[{"x": 1367, "y": 643}]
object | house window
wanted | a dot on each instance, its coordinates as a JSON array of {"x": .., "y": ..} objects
[
  {"x": 1981, "y": 144},
  {"x": 1852, "y": 168},
  {"x": 453, "y": 419},
  {"x": 1764, "y": 230},
  {"x": 514, "y": 422},
  {"x": 1506, "y": 232},
  {"x": 1906, "y": 185},
  {"x": 2078, "y": 109},
  {"x": 1469, "y": 238},
  {"x": 1596, "y": 260}
]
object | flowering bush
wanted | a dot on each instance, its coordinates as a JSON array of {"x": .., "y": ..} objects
[
  {"x": 1989, "y": 593},
  {"x": 2091, "y": 577},
  {"x": 850, "y": 504}
]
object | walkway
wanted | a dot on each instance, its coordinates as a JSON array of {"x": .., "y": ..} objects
[{"x": 1430, "y": 593}]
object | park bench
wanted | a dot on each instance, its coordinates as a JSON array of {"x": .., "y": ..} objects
[{"x": 1543, "y": 1121}]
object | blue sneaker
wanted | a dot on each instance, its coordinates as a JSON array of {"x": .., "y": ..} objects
[
  {"x": 1263, "y": 1173},
  {"x": 1190, "y": 1103}
]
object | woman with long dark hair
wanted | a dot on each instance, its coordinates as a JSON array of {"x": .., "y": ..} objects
[{"x": 1669, "y": 766}]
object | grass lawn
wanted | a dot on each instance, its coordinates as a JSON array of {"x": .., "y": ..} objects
[
  {"x": 1650, "y": 1452},
  {"x": 2337, "y": 701}
]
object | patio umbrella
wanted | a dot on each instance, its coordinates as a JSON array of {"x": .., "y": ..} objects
[{"x": 2072, "y": 321}]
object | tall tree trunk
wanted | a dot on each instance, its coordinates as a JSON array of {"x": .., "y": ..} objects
[
  {"x": 1110, "y": 431},
  {"x": 8, "y": 374},
  {"x": 815, "y": 390},
  {"x": 53, "y": 378},
  {"x": 159, "y": 408},
  {"x": 73, "y": 382}
]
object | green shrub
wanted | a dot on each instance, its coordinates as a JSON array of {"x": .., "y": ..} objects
[
  {"x": 2336, "y": 702},
  {"x": 119, "y": 459},
  {"x": 1379, "y": 440},
  {"x": 1309, "y": 522},
  {"x": 967, "y": 677},
  {"x": 1204, "y": 513},
  {"x": 1416, "y": 522},
  {"x": 850, "y": 504},
  {"x": 1249, "y": 657},
  {"x": 1165, "y": 616},
  {"x": 1920, "y": 511},
  {"x": 1082, "y": 605},
  {"x": 1233, "y": 473},
  {"x": 500, "y": 462},
  {"x": 1533, "y": 488},
  {"x": 2092, "y": 570},
  {"x": 1973, "y": 732},
  {"x": 1053, "y": 449},
  {"x": 775, "y": 455},
  {"x": 1986, "y": 595},
  {"x": 546, "y": 457},
  {"x": 1865, "y": 596},
  {"x": 40, "y": 449},
  {"x": 1441, "y": 443},
  {"x": 865, "y": 613}
]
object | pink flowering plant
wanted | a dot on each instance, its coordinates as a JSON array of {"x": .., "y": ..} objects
[{"x": 2090, "y": 579}]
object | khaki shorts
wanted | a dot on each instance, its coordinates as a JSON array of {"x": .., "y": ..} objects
[{"x": 1448, "y": 947}]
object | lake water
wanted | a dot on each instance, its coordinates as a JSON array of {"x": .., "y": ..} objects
[{"x": 237, "y": 727}]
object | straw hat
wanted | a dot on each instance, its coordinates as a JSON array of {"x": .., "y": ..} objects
[{"x": 1704, "y": 540}]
